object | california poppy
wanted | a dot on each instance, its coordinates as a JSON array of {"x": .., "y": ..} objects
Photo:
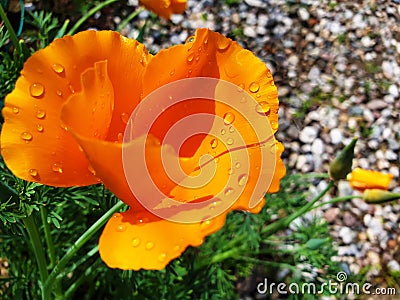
[
  {"x": 66, "y": 124},
  {"x": 361, "y": 179},
  {"x": 165, "y": 8}
]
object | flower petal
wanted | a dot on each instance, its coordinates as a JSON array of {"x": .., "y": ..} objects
[
  {"x": 165, "y": 8},
  {"x": 139, "y": 240},
  {"x": 34, "y": 145},
  {"x": 361, "y": 179}
]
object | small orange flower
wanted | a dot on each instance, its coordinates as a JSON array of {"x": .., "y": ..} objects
[
  {"x": 361, "y": 179},
  {"x": 66, "y": 118},
  {"x": 165, "y": 8}
]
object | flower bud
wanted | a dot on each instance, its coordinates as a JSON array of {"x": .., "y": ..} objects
[
  {"x": 341, "y": 166},
  {"x": 376, "y": 196},
  {"x": 361, "y": 179}
]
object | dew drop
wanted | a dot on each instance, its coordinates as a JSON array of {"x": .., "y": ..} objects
[
  {"x": 190, "y": 57},
  {"x": 59, "y": 69},
  {"x": 15, "y": 110},
  {"x": 121, "y": 228},
  {"x": 223, "y": 43},
  {"x": 59, "y": 93},
  {"x": 274, "y": 125},
  {"x": 254, "y": 87},
  {"x": 269, "y": 75},
  {"x": 190, "y": 39},
  {"x": 223, "y": 131},
  {"x": 149, "y": 245},
  {"x": 229, "y": 141},
  {"x": 125, "y": 118},
  {"x": 241, "y": 87},
  {"x": 229, "y": 118},
  {"x": 162, "y": 257},
  {"x": 197, "y": 57},
  {"x": 263, "y": 108},
  {"x": 40, "y": 114},
  {"x": 231, "y": 129},
  {"x": 26, "y": 136},
  {"x": 237, "y": 165},
  {"x": 91, "y": 170},
  {"x": 135, "y": 242},
  {"x": 120, "y": 137},
  {"x": 205, "y": 224},
  {"x": 33, "y": 172},
  {"x": 57, "y": 168},
  {"x": 36, "y": 89},
  {"x": 228, "y": 191},
  {"x": 214, "y": 143},
  {"x": 40, "y": 128},
  {"x": 71, "y": 88},
  {"x": 242, "y": 179},
  {"x": 215, "y": 204},
  {"x": 230, "y": 171},
  {"x": 172, "y": 73}
]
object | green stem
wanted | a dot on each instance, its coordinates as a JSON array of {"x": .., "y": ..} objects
[
  {"x": 284, "y": 223},
  {"x": 47, "y": 287},
  {"x": 128, "y": 19},
  {"x": 10, "y": 30},
  {"x": 88, "y": 15},
  {"x": 37, "y": 246},
  {"x": 337, "y": 200},
  {"x": 50, "y": 246}
]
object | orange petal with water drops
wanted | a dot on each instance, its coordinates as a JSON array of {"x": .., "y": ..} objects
[
  {"x": 33, "y": 144},
  {"x": 361, "y": 179},
  {"x": 165, "y": 8},
  {"x": 139, "y": 240}
]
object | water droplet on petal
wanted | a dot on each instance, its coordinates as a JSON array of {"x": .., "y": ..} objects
[
  {"x": 71, "y": 88},
  {"x": 229, "y": 118},
  {"x": 190, "y": 39},
  {"x": 215, "y": 203},
  {"x": 33, "y": 172},
  {"x": 228, "y": 191},
  {"x": 214, "y": 143},
  {"x": 231, "y": 129},
  {"x": 230, "y": 171},
  {"x": 237, "y": 165},
  {"x": 190, "y": 57},
  {"x": 223, "y": 131},
  {"x": 241, "y": 87},
  {"x": 57, "y": 168},
  {"x": 26, "y": 136},
  {"x": 274, "y": 125},
  {"x": 40, "y": 128},
  {"x": 254, "y": 87},
  {"x": 263, "y": 108},
  {"x": 223, "y": 43},
  {"x": 162, "y": 257},
  {"x": 15, "y": 110},
  {"x": 135, "y": 242},
  {"x": 229, "y": 141},
  {"x": 197, "y": 57},
  {"x": 40, "y": 114},
  {"x": 59, "y": 93},
  {"x": 125, "y": 118},
  {"x": 242, "y": 179},
  {"x": 269, "y": 75},
  {"x": 149, "y": 245},
  {"x": 59, "y": 69},
  {"x": 121, "y": 228},
  {"x": 172, "y": 73},
  {"x": 204, "y": 224},
  {"x": 36, "y": 89}
]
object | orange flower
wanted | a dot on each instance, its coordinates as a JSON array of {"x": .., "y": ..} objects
[
  {"x": 361, "y": 179},
  {"x": 66, "y": 118},
  {"x": 165, "y": 8}
]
